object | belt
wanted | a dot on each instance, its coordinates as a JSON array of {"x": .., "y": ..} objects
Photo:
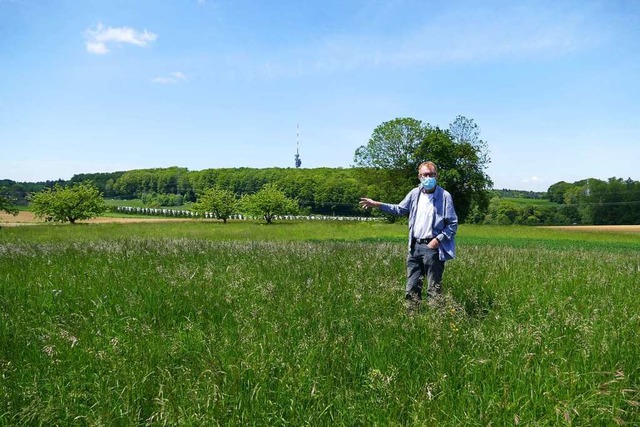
[{"x": 423, "y": 241}]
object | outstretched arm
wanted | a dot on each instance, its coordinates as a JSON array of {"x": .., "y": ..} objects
[
  {"x": 366, "y": 203},
  {"x": 401, "y": 208}
]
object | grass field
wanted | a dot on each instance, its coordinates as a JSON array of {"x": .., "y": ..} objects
[{"x": 303, "y": 323}]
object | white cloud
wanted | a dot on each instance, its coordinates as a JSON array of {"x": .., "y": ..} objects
[
  {"x": 172, "y": 78},
  {"x": 101, "y": 37},
  {"x": 97, "y": 48}
]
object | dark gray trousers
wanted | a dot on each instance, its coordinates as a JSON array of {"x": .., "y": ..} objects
[{"x": 423, "y": 261}]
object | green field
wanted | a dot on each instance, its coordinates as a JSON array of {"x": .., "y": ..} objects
[{"x": 303, "y": 323}]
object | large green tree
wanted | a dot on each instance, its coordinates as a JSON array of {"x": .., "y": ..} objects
[
  {"x": 7, "y": 206},
  {"x": 614, "y": 201},
  {"x": 461, "y": 158},
  {"x": 393, "y": 145},
  {"x": 397, "y": 147},
  {"x": 268, "y": 203},
  {"x": 72, "y": 203},
  {"x": 221, "y": 203},
  {"x": 556, "y": 192},
  {"x": 599, "y": 202},
  {"x": 388, "y": 162}
]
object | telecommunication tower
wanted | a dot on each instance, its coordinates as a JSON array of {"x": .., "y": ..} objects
[{"x": 297, "y": 156}]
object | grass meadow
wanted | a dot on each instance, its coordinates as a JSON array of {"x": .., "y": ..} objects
[{"x": 303, "y": 323}]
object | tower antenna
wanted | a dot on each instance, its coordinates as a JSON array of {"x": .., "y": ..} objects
[{"x": 297, "y": 156}]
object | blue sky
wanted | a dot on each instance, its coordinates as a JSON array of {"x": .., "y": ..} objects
[{"x": 108, "y": 85}]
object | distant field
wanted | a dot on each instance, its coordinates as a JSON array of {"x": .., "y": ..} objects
[
  {"x": 303, "y": 323},
  {"x": 27, "y": 218}
]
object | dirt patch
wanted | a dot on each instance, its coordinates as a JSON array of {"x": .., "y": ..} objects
[
  {"x": 28, "y": 218},
  {"x": 23, "y": 218}
]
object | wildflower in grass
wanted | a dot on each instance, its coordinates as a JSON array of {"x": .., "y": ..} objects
[
  {"x": 380, "y": 383},
  {"x": 67, "y": 336},
  {"x": 49, "y": 350},
  {"x": 454, "y": 326},
  {"x": 429, "y": 393}
]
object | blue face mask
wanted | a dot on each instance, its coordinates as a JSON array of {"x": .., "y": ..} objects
[{"x": 428, "y": 183}]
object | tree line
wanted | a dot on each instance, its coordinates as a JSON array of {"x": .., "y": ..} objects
[
  {"x": 586, "y": 202},
  {"x": 329, "y": 191},
  {"x": 614, "y": 201}
]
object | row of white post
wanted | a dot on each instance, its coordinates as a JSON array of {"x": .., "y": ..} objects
[{"x": 181, "y": 213}]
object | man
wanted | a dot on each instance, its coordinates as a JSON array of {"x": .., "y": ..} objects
[{"x": 432, "y": 226}]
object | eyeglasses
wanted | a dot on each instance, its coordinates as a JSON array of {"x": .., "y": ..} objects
[{"x": 428, "y": 174}]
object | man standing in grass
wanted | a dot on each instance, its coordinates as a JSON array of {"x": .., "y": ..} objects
[{"x": 432, "y": 226}]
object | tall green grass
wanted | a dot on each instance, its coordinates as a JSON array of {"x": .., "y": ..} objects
[{"x": 304, "y": 324}]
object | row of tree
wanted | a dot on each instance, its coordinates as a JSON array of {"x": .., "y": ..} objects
[
  {"x": 80, "y": 201},
  {"x": 615, "y": 201},
  {"x": 509, "y": 212},
  {"x": 589, "y": 201},
  {"x": 329, "y": 191}
]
